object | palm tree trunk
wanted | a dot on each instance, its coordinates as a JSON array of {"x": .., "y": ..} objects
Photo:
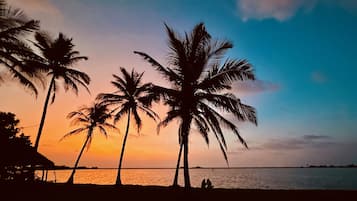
[
  {"x": 71, "y": 178},
  {"x": 175, "y": 183},
  {"x": 185, "y": 132},
  {"x": 118, "y": 180},
  {"x": 44, "y": 114},
  {"x": 185, "y": 163}
]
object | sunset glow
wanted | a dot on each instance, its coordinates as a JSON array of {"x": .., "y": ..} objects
[{"x": 305, "y": 94}]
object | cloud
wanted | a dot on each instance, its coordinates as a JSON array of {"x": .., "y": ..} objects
[
  {"x": 282, "y": 10},
  {"x": 349, "y": 5},
  {"x": 316, "y": 137},
  {"x": 306, "y": 141},
  {"x": 254, "y": 87},
  {"x": 35, "y": 6},
  {"x": 278, "y": 9},
  {"x": 318, "y": 77}
]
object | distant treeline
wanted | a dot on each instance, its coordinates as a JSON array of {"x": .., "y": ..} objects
[{"x": 332, "y": 166}]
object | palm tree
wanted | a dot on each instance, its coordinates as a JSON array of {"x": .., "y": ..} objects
[
  {"x": 200, "y": 84},
  {"x": 89, "y": 118},
  {"x": 57, "y": 59},
  {"x": 14, "y": 26},
  {"x": 131, "y": 96}
]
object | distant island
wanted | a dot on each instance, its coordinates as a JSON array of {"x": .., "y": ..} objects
[
  {"x": 64, "y": 167},
  {"x": 332, "y": 166}
]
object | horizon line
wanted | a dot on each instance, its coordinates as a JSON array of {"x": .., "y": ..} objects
[{"x": 200, "y": 167}]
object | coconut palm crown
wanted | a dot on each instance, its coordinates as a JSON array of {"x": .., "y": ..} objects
[
  {"x": 131, "y": 98},
  {"x": 57, "y": 58},
  {"x": 199, "y": 93},
  {"x": 89, "y": 118}
]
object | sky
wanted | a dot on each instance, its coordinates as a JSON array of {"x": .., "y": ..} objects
[{"x": 303, "y": 52}]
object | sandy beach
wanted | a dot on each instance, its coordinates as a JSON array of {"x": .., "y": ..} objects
[{"x": 61, "y": 192}]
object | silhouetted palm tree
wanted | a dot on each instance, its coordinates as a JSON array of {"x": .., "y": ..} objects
[
  {"x": 200, "y": 82},
  {"x": 14, "y": 26},
  {"x": 89, "y": 118},
  {"x": 131, "y": 96},
  {"x": 57, "y": 58}
]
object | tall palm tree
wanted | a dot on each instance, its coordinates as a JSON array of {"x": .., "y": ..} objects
[
  {"x": 14, "y": 27},
  {"x": 57, "y": 59},
  {"x": 200, "y": 84},
  {"x": 89, "y": 118},
  {"x": 131, "y": 97}
]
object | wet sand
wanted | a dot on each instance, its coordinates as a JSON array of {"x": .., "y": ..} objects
[{"x": 88, "y": 192}]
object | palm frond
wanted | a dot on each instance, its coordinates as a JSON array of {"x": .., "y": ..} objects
[
  {"x": 149, "y": 112},
  {"x": 21, "y": 78},
  {"x": 74, "y": 132},
  {"x": 78, "y": 75},
  {"x": 21, "y": 29},
  {"x": 103, "y": 131},
  {"x": 232, "y": 70},
  {"x": 203, "y": 129},
  {"x": 167, "y": 73},
  {"x": 43, "y": 41},
  {"x": 222, "y": 147},
  {"x": 137, "y": 118},
  {"x": 124, "y": 109},
  {"x": 178, "y": 55},
  {"x": 214, "y": 119},
  {"x": 69, "y": 84},
  {"x": 171, "y": 115},
  {"x": 219, "y": 49},
  {"x": 74, "y": 60},
  {"x": 225, "y": 122},
  {"x": 111, "y": 126}
]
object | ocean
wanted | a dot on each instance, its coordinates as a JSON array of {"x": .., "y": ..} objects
[{"x": 245, "y": 178}]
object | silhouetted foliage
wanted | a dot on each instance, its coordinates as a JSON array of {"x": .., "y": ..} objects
[
  {"x": 57, "y": 58},
  {"x": 16, "y": 153},
  {"x": 200, "y": 82},
  {"x": 14, "y": 27},
  {"x": 131, "y": 96},
  {"x": 89, "y": 118}
]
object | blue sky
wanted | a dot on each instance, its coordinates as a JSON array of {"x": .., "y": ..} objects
[{"x": 304, "y": 54}]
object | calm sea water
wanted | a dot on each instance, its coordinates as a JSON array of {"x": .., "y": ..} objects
[{"x": 253, "y": 178}]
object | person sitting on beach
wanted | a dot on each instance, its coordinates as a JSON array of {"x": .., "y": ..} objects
[
  {"x": 209, "y": 184},
  {"x": 203, "y": 184}
]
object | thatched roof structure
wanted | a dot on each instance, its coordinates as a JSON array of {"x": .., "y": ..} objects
[{"x": 25, "y": 157}]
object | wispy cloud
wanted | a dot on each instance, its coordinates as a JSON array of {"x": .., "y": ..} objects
[
  {"x": 35, "y": 6},
  {"x": 302, "y": 142},
  {"x": 278, "y": 9},
  {"x": 318, "y": 77},
  {"x": 349, "y": 5},
  {"x": 282, "y": 10},
  {"x": 254, "y": 87},
  {"x": 316, "y": 137}
]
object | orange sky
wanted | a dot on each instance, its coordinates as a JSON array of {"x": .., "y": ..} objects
[{"x": 106, "y": 52}]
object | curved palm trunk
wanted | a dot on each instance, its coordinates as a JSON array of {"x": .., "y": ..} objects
[
  {"x": 71, "y": 178},
  {"x": 44, "y": 114},
  {"x": 185, "y": 132},
  {"x": 175, "y": 183},
  {"x": 118, "y": 180},
  {"x": 185, "y": 164}
]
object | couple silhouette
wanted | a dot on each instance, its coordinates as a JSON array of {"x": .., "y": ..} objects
[{"x": 206, "y": 184}]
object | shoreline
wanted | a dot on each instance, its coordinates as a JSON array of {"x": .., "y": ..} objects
[{"x": 88, "y": 192}]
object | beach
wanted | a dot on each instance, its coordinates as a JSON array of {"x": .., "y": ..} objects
[{"x": 88, "y": 192}]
